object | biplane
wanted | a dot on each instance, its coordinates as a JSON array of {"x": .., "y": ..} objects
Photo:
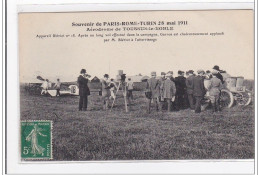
[{"x": 67, "y": 88}]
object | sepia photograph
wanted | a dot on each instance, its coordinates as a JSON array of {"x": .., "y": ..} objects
[{"x": 137, "y": 85}]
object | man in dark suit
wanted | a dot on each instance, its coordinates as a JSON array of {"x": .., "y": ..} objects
[
  {"x": 170, "y": 73},
  {"x": 189, "y": 87},
  {"x": 198, "y": 90},
  {"x": 180, "y": 83},
  {"x": 84, "y": 91}
]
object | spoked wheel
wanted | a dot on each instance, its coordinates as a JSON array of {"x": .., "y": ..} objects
[
  {"x": 226, "y": 98},
  {"x": 244, "y": 99}
]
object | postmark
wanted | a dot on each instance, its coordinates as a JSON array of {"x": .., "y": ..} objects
[{"x": 36, "y": 139}]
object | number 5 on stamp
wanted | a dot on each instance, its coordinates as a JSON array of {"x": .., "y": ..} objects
[{"x": 36, "y": 139}]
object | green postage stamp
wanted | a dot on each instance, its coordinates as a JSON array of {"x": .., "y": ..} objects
[{"x": 36, "y": 139}]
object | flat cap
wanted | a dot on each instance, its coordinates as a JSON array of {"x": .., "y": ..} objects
[
  {"x": 170, "y": 72},
  {"x": 153, "y": 73},
  {"x": 200, "y": 71},
  {"x": 168, "y": 75}
]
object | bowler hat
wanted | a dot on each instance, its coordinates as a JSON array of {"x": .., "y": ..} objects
[
  {"x": 106, "y": 75},
  {"x": 180, "y": 72},
  {"x": 83, "y": 71},
  {"x": 216, "y": 68}
]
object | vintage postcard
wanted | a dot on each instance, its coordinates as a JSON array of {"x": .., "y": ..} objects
[{"x": 137, "y": 85}]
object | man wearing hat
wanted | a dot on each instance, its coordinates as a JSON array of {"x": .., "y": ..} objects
[
  {"x": 153, "y": 86},
  {"x": 180, "y": 91},
  {"x": 198, "y": 90},
  {"x": 170, "y": 73},
  {"x": 189, "y": 86},
  {"x": 45, "y": 86},
  {"x": 57, "y": 86},
  {"x": 169, "y": 91},
  {"x": 84, "y": 91},
  {"x": 215, "y": 87},
  {"x": 105, "y": 91},
  {"x": 130, "y": 88},
  {"x": 218, "y": 75},
  {"x": 162, "y": 78}
]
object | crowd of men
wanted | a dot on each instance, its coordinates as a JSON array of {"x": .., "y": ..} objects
[
  {"x": 182, "y": 92},
  {"x": 176, "y": 93}
]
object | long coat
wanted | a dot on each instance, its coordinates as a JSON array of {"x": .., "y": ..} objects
[
  {"x": 198, "y": 86},
  {"x": 215, "y": 86},
  {"x": 153, "y": 85},
  {"x": 105, "y": 89},
  {"x": 189, "y": 84},
  {"x": 180, "y": 83},
  {"x": 83, "y": 86},
  {"x": 161, "y": 81},
  {"x": 169, "y": 89}
]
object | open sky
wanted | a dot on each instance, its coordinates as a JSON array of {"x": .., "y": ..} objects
[{"x": 64, "y": 57}]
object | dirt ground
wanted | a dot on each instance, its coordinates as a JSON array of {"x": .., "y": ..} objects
[{"x": 116, "y": 135}]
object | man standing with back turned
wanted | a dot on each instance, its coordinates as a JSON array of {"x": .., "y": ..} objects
[
  {"x": 84, "y": 91},
  {"x": 180, "y": 91},
  {"x": 198, "y": 90},
  {"x": 189, "y": 86}
]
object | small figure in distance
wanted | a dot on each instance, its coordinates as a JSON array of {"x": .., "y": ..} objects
[
  {"x": 113, "y": 88},
  {"x": 105, "y": 91},
  {"x": 130, "y": 88},
  {"x": 45, "y": 86},
  {"x": 57, "y": 86}
]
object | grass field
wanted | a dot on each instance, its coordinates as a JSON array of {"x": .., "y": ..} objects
[{"x": 116, "y": 135}]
